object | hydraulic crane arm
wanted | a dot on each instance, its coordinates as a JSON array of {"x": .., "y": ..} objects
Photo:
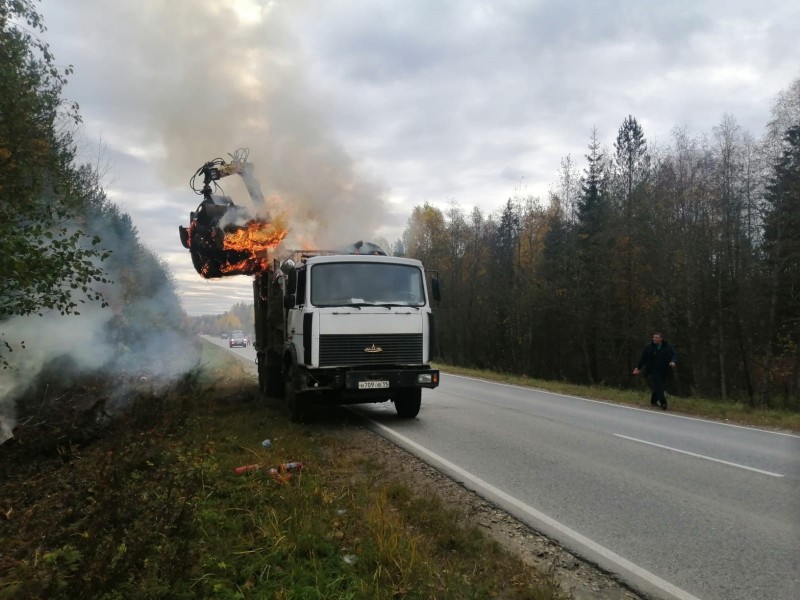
[{"x": 218, "y": 168}]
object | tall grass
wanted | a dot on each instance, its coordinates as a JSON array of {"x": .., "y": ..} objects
[{"x": 721, "y": 410}]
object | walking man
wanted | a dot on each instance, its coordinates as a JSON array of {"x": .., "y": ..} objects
[{"x": 658, "y": 357}]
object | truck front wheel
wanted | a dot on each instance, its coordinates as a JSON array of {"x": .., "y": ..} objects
[
  {"x": 407, "y": 403},
  {"x": 296, "y": 402},
  {"x": 274, "y": 386},
  {"x": 262, "y": 374}
]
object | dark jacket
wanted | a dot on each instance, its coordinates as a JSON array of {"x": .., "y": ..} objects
[{"x": 655, "y": 359}]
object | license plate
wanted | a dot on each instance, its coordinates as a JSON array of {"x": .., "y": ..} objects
[{"x": 372, "y": 385}]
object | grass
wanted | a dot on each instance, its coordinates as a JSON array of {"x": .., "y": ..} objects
[
  {"x": 730, "y": 412},
  {"x": 154, "y": 509}
]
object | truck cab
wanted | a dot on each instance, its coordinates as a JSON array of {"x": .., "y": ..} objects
[{"x": 355, "y": 329}]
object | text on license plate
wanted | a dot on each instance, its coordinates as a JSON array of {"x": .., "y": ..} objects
[{"x": 372, "y": 385}]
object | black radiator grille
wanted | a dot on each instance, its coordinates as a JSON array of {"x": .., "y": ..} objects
[{"x": 384, "y": 349}]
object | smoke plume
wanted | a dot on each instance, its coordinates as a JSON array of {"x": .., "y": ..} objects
[{"x": 206, "y": 78}]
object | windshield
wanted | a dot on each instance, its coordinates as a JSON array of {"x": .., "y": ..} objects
[{"x": 353, "y": 283}]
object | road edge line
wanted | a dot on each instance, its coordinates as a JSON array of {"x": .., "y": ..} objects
[{"x": 636, "y": 576}]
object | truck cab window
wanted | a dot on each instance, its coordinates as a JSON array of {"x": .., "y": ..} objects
[{"x": 347, "y": 283}]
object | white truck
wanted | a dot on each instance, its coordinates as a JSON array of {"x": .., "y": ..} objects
[{"x": 345, "y": 328}]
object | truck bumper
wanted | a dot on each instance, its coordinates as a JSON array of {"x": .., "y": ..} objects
[
  {"x": 369, "y": 383},
  {"x": 406, "y": 378}
]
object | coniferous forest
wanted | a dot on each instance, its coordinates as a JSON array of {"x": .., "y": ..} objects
[{"x": 698, "y": 239}]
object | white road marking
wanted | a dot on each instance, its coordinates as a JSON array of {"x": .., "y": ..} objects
[
  {"x": 563, "y": 530},
  {"x": 717, "y": 460}
]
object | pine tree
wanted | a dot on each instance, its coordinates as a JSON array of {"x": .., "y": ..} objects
[
  {"x": 592, "y": 204},
  {"x": 593, "y": 258},
  {"x": 632, "y": 161}
]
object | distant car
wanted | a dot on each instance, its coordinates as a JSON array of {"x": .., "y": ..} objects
[
  {"x": 223, "y": 336},
  {"x": 237, "y": 339}
]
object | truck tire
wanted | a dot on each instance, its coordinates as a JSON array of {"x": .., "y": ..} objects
[
  {"x": 296, "y": 402},
  {"x": 270, "y": 381},
  {"x": 262, "y": 375},
  {"x": 407, "y": 403},
  {"x": 274, "y": 382}
]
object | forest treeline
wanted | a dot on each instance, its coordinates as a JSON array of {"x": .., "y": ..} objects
[
  {"x": 240, "y": 317},
  {"x": 699, "y": 239}
]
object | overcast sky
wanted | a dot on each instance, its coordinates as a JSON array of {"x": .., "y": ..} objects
[{"x": 355, "y": 111}]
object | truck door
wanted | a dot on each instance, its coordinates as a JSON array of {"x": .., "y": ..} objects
[{"x": 295, "y": 316}]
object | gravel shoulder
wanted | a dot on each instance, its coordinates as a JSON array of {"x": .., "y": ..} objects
[{"x": 581, "y": 579}]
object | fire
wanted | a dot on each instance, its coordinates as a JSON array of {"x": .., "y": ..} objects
[
  {"x": 255, "y": 236},
  {"x": 226, "y": 239},
  {"x": 242, "y": 247},
  {"x": 251, "y": 244}
]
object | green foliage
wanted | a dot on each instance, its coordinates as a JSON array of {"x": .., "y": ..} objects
[
  {"x": 782, "y": 251},
  {"x": 631, "y": 159},
  {"x": 47, "y": 261}
]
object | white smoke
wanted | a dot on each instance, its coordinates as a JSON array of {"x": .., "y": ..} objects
[
  {"x": 72, "y": 345},
  {"x": 205, "y": 78},
  {"x": 38, "y": 341},
  {"x": 139, "y": 333}
]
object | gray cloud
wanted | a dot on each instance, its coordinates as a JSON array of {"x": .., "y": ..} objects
[{"x": 354, "y": 112}]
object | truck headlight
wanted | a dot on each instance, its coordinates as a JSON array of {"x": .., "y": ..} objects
[{"x": 425, "y": 378}]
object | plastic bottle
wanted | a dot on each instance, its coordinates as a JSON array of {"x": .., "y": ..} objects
[
  {"x": 291, "y": 467},
  {"x": 246, "y": 468}
]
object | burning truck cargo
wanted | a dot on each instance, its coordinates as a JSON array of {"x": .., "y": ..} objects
[{"x": 224, "y": 238}]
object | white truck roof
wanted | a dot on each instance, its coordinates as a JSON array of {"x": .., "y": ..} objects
[{"x": 339, "y": 258}]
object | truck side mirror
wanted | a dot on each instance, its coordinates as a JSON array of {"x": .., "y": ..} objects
[
  {"x": 288, "y": 301},
  {"x": 436, "y": 291}
]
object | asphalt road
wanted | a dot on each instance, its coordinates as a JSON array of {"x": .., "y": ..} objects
[
  {"x": 677, "y": 507},
  {"x": 248, "y": 353}
]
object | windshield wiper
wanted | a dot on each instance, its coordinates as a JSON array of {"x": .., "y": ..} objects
[
  {"x": 392, "y": 305},
  {"x": 360, "y": 305}
]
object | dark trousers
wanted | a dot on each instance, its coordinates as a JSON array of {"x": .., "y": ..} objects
[{"x": 657, "y": 386}]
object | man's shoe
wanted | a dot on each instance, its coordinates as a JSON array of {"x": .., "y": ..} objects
[
  {"x": 664, "y": 405},
  {"x": 653, "y": 403}
]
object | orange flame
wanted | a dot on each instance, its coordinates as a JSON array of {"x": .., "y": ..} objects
[{"x": 256, "y": 238}]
